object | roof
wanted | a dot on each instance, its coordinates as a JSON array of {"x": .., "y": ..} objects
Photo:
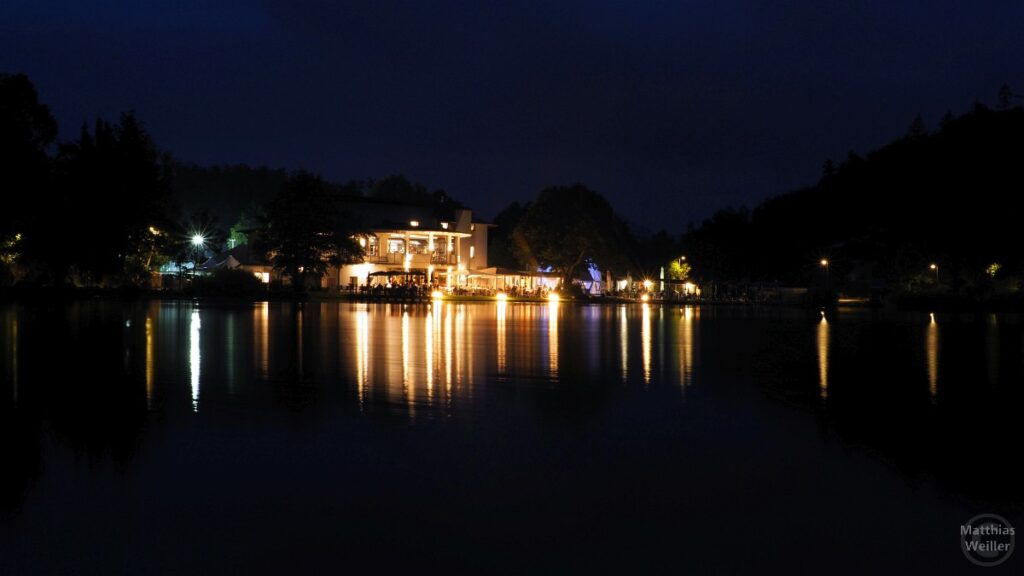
[
  {"x": 385, "y": 216},
  {"x": 240, "y": 255}
]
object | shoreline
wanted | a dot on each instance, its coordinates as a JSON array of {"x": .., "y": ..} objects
[{"x": 905, "y": 303}]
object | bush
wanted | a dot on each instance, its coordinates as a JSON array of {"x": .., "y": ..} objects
[{"x": 225, "y": 282}]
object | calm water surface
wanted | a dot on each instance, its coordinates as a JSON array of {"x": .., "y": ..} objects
[{"x": 169, "y": 437}]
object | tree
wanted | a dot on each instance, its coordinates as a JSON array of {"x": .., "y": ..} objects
[
  {"x": 305, "y": 231},
  {"x": 567, "y": 228},
  {"x": 27, "y": 129},
  {"x": 1005, "y": 97},
  {"x": 113, "y": 192},
  {"x": 678, "y": 270},
  {"x": 500, "y": 248}
]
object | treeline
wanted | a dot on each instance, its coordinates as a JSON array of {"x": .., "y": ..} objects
[
  {"x": 932, "y": 210},
  {"x": 109, "y": 209}
]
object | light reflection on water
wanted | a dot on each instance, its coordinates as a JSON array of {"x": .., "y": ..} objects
[
  {"x": 932, "y": 351},
  {"x": 194, "y": 358},
  {"x": 316, "y": 413},
  {"x": 823, "y": 342},
  {"x": 435, "y": 358}
]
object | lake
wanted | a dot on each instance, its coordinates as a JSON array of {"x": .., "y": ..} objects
[{"x": 175, "y": 437}]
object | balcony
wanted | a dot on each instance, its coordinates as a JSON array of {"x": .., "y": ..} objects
[{"x": 418, "y": 260}]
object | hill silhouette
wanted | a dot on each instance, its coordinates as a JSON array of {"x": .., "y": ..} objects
[{"x": 947, "y": 197}]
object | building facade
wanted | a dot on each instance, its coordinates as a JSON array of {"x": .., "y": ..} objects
[{"x": 415, "y": 245}]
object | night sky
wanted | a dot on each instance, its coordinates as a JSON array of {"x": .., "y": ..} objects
[{"x": 669, "y": 109}]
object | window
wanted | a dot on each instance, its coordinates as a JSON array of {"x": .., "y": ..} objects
[
  {"x": 418, "y": 246},
  {"x": 472, "y": 251},
  {"x": 396, "y": 246},
  {"x": 371, "y": 247}
]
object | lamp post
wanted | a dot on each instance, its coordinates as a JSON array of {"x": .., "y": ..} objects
[
  {"x": 198, "y": 241},
  {"x": 935, "y": 268},
  {"x": 824, "y": 264}
]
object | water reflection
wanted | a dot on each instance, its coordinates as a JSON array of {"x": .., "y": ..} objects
[
  {"x": 624, "y": 342},
  {"x": 502, "y": 357},
  {"x": 932, "y": 351},
  {"x": 408, "y": 386},
  {"x": 362, "y": 354},
  {"x": 823, "y": 343},
  {"x": 150, "y": 360},
  {"x": 261, "y": 331},
  {"x": 422, "y": 360},
  {"x": 645, "y": 342},
  {"x": 992, "y": 349},
  {"x": 10, "y": 351},
  {"x": 686, "y": 346},
  {"x": 194, "y": 358},
  {"x": 553, "y": 307}
]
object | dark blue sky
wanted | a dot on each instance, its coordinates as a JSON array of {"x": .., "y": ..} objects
[{"x": 669, "y": 109}]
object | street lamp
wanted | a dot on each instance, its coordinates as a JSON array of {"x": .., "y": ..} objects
[
  {"x": 935, "y": 268},
  {"x": 824, "y": 264},
  {"x": 198, "y": 242}
]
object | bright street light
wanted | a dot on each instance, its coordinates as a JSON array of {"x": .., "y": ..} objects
[{"x": 198, "y": 240}]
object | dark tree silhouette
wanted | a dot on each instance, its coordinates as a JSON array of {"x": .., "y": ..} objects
[
  {"x": 568, "y": 227},
  {"x": 305, "y": 231},
  {"x": 27, "y": 129},
  {"x": 110, "y": 193}
]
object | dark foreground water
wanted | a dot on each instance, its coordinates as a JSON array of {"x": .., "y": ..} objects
[{"x": 333, "y": 438}]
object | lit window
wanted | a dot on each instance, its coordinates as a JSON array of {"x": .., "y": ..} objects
[
  {"x": 417, "y": 246},
  {"x": 396, "y": 246},
  {"x": 472, "y": 227},
  {"x": 472, "y": 251},
  {"x": 444, "y": 225},
  {"x": 414, "y": 223}
]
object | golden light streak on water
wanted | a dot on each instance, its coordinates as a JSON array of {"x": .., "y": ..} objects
[
  {"x": 362, "y": 355},
  {"x": 823, "y": 344},
  {"x": 932, "y": 350},
  {"x": 553, "y": 307},
  {"x": 645, "y": 342},
  {"x": 408, "y": 385},
  {"x": 686, "y": 346},
  {"x": 261, "y": 319},
  {"x": 502, "y": 309},
  {"x": 150, "y": 361},
  {"x": 624, "y": 342}
]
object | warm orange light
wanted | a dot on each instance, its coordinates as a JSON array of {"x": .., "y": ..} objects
[
  {"x": 502, "y": 296},
  {"x": 933, "y": 266},
  {"x": 645, "y": 298},
  {"x": 824, "y": 262},
  {"x": 553, "y": 297},
  {"x": 437, "y": 295}
]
